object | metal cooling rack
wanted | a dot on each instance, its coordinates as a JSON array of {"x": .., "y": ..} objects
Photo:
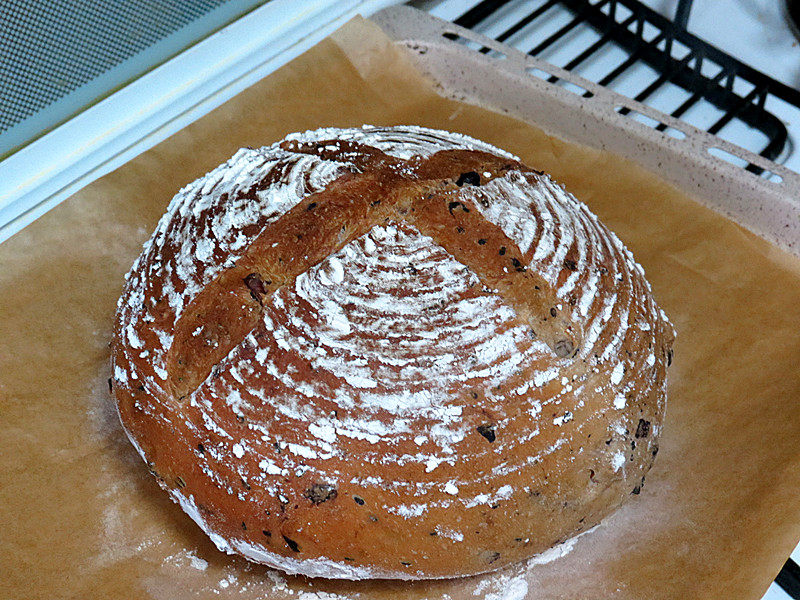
[
  {"x": 685, "y": 77},
  {"x": 625, "y": 43}
]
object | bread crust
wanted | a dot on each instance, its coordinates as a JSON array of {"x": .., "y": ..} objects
[{"x": 389, "y": 353}]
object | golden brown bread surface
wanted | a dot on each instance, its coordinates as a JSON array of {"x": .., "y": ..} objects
[{"x": 389, "y": 352}]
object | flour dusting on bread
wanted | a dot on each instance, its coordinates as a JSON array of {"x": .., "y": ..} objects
[{"x": 474, "y": 373}]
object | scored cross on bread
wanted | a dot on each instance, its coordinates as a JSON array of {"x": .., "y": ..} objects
[
  {"x": 426, "y": 192},
  {"x": 389, "y": 352}
]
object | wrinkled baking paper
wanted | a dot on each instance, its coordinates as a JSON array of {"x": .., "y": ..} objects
[{"x": 80, "y": 517}]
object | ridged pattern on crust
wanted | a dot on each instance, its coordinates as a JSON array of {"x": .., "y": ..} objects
[{"x": 390, "y": 415}]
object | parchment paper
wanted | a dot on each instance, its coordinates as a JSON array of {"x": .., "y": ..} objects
[{"x": 80, "y": 517}]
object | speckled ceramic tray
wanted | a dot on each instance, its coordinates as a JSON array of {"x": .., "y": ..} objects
[{"x": 578, "y": 110}]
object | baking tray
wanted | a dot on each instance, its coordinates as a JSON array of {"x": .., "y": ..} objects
[
  {"x": 73, "y": 491},
  {"x": 713, "y": 170}
]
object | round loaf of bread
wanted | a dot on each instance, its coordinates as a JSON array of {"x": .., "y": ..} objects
[{"x": 389, "y": 353}]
